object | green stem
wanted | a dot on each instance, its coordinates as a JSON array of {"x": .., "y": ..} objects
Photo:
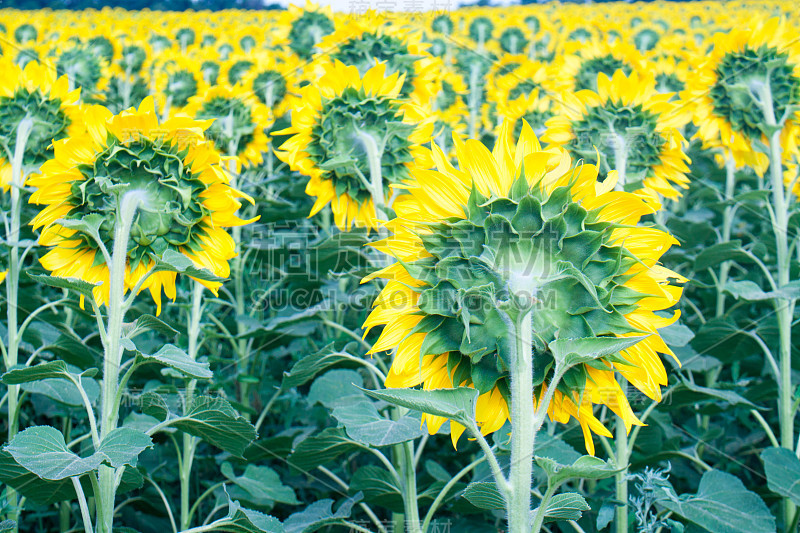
[
  {"x": 87, "y": 518},
  {"x": 784, "y": 307},
  {"x": 727, "y": 222},
  {"x": 623, "y": 453},
  {"x": 113, "y": 353},
  {"x": 522, "y": 424},
  {"x": 374, "y": 158},
  {"x": 409, "y": 477},
  {"x": 474, "y": 100},
  {"x": 190, "y": 442},
  {"x": 12, "y": 290},
  {"x": 539, "y": 519}
]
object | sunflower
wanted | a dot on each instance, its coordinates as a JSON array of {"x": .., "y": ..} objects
[
  {"x": 631, "y": 127},
  {"x": 273, "y": 80},
  {"x": 308, "y": 27},
  {"x": 522, "y": 92},
  {"x": 521, "y": 218},
  {"x": 34, "y": 92},
  {"x": 178, "y": 78},
  {"x": 239, "y": 121},
  {"x": 365, "y": 41},
  {"x": 324, "y": 145},
  {"x": 724, "y": 90},
  {"x": 582, "y": 63},
  {"x": 188, "y": 201}
]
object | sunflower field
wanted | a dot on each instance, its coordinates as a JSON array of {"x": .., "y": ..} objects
[{"x": 491, "y": 269}]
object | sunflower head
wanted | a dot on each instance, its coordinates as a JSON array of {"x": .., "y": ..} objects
[
  {"x": 631, "y": 127},
  {"x": 83, "y": 68},
  {"x": 521, "y": 226},
  {"x": 186, "y": 199},
  {"x": 36, "y": 93},
  {"x": 325, "y": 145},
  {"x": 731, "y": 85},
  {"x": 239, "y": 120},
  {"x": 308, "y": 28}
]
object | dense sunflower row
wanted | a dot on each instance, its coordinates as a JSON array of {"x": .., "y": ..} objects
[{"x": 589, "y": 112}]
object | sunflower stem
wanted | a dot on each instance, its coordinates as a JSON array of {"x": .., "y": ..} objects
[
  {"x": 522, "y": 425},
  {"x": 474, "y": 100},
  {"x": 621, "y": 442},
  {"x": 374, "y": 160},
  {"x": 784, "y": 307},
  {"x": 12, "y": 289},
  {"x": 107, "y": 476},
  {"x": 190, "y": 442},
  {"x": 727, "y": 222}
]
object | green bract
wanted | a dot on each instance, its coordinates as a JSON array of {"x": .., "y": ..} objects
[
  {"x": 336, "y": 148},
  {"x": 366, "y": 49},
  {"x": 307, "y": 31},
  {"x": 601, "y": 125},
  {"x": 169, "y": 217},
  {"x": 181, "y": 86},
  {"x": 232, "y": 129},
  {"x": 49, "y": 123},
  {"x": 733, "y": 93},
  {"x": 133, "y": 58},
  {"x": 82, "y": 67},
  {"x": 238, "y": 70},
  {"x": 513, "y": 41},
  {"x": 531, "y": 249},
  {"x": 268, "y": 78},
  {"x": 586, "y": 78}
]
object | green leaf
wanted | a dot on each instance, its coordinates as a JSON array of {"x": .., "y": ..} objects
[
  {"x": 83, "y": 288},
  {"x": 173, "y": 357},
  {"x": 123, "y": 445},
  {"x": 457, "y": 404},
  {"x": 37, "y": 490},
  {"x": 783, "y": 472},
  {"x": 719, "y": 253},
  {"x": 215, "y": 421},
  {"x": 241, "y": 520},
  {"x": 484, "y": 495},
  {"x": 172, "y": 261},
  {"x": 148, "y": 323},
  {"x": 565, "y": 506},
  {"x": 571, "y": 352},
  {"x": 336, "y": 387},
  {"x": 89, "y": 225},
  {"x": 748, "y": 290},
  {"x": 584, "y": 467},
  {"x": 153, "y": 404},
  {"x": 8, "y": 526},
  {"x": 320, "y": 514},
  {"x": 260, "y": 485},
  {"x": 722, "y": 505},
  {"x": 318, "y": 449},
  {"x": 51, "y": 369},
  {"x": 364, "y": 424},
  {"x": 42, "y": 450},
  {"x": 377, "y": 485},
  {"x": 726, "y": 395},
  {"x": 309, "y": 366}
]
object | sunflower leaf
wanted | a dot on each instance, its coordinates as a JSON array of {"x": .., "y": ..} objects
[
  {"x": 565, "y": 506},
  {"x": 43, "y": 451},
  {"x": 456, "y": 404},
  {"x": 84, "y": 288},
  {"x": 783, "y": 472},
  {"x": 571, "y": 352},
  {"x": 484, "y": 495},
  {"x": 173, "y": 357},
  {"x": 172, "y": 261}
]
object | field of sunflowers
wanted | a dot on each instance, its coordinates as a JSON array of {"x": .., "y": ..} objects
[{"x": 495, "y": 269}]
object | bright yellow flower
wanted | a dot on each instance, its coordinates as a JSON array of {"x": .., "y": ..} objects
[
  {"x": 239, "y": 123},
  {"x": 325, "y": 131},
  {"x": 459, "y": 238},
  {"x": 35, "y": 92},
  {"x": 188, "y": 201},
  {"x": 626, "y": 122}
]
